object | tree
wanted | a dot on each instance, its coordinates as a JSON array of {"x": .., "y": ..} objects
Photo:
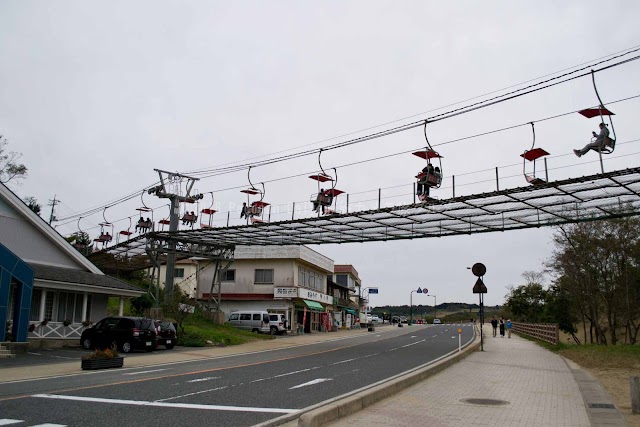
[
  {"x": 526, "y": 302},
  {"x": 33, "y": 204},
  {"x": 598, "y": 265},
  {"x": 9, "y": 166},
  {"x": 139, "y": 305}
]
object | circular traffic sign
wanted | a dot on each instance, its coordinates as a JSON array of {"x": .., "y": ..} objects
[
  {"x": 478, "y": 269},
  {"x": 459, "y": 330}
]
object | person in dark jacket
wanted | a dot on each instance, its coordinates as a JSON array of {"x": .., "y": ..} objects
[{"x": 494, "y": 324}]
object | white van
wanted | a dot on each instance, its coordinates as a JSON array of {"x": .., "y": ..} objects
[{"x": 254, "y": 321}]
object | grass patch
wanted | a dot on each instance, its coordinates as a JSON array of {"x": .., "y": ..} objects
[
  {"x": 198, "y": 330},
  {"x": 621, "y": 356}
]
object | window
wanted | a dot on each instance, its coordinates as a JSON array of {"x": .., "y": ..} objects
[
  {"x": 229, "y": 276},
  {"x": 245, "y": 316},
  {"x": 264, "y": 276},
  {"x": 178, "y": 272},
  {"x": 233, "y": 316},
  {"x": 256, "y": 316},
  {"x": 309, "y": 279},
  {"x": 342, "y": 279}
]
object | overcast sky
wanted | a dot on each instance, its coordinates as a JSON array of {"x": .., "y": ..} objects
[{"x": 95, "y": 95}]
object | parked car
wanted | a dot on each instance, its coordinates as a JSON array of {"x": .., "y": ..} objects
[
  {"x": 254, "y": 321},
  {"x": 437, "y": 322},
  {"x": 376, "y": 319},
  {"x": 419, "y": 322},
  {"x": 166, "y": 334},
  {"x": 126, "y": 333},
  {"x": 403, "y": 319},
  {"x": 277, "y": 324}
]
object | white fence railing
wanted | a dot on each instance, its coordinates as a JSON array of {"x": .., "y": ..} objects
[{"x": 57, "y": 330}]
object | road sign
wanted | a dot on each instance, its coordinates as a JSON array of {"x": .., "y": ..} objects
[
  {"x": 373, "y": 290},
  {"x": 459, "y": 330},
  {"x": 478, "y": 269},
  {"x": 479, "y": 287},
  {"x": 419, "y": 291}
]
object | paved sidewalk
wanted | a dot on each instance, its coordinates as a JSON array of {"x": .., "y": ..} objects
[{"x": 514, "y": 382}]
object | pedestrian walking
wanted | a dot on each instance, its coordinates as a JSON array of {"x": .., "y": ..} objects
[
  {"x": 501, "y": 327},
  {"x": 509, "y": 325},
  {"x": 494, "y": 324}
]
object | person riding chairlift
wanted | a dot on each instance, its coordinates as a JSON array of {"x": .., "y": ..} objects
[
  {"x": 322, "y": 201},
  {"x": 424, "y": 178},
  {"x": 598, "y": 144}
]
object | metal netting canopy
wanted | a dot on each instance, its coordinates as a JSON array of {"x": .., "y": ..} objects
[{"x": 601, "y": 196}]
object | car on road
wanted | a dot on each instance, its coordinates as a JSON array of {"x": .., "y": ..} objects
[
  {"x": 437, "y": 322},
  {"x": 419, "y": 322},
  {"x": 126, "y": 333},
  {"x": 166, "y": 334},
  {"x": 376, "y": 319},
  {"x": 254, "y": 321},
  {"x": 403, "y": 319},
  {"x": 277, "y": 324}
]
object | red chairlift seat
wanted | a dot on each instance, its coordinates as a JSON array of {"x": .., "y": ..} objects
[
  {"x": 428, "y": 154},
  {"x": 126, "y": 233},
  {"x": 259, "y": 203},
  {"x": 252, "y": 191},
  {"x": 590, "y": 113},
  {"x": 256, "y": 220},
  {"x": 333, "y": 192},
  {"x": 208, "y": 211},
  {"x": 189, "y": 218},
  {"x": 164, "y": 222},
  {"x": 534, "y": 180},
  {"x": 534, "y": 154},
  {"x": 321, "y": 177},
  {"x": 203, "y": 226}
]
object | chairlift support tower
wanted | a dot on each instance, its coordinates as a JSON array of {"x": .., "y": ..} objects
[{"x": 169, "y": 180}]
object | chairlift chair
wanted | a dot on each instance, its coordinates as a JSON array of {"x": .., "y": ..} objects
[
  {"x": 430, "y": 176},
  {"x": 323, "y": 199},
  {"x": 532, "y": 155},
  {"x": 254, "y": 208},
  {"x": 208, "y": 211},
  {"x": 602, "y": 112}
]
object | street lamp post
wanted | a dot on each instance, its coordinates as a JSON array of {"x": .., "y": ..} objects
[
  {"x": 435, "y": 306},
  {"x": 419, "y": 291},
  {"x": 479, "y": 288}
]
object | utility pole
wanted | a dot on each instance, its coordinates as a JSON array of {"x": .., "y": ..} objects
[
  {"x": 53, "y": 204},
  {"x": 170, "y": 188}
]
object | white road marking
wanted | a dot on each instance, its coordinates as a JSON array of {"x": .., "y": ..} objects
[
  {"x": 284, "y": 375},
  {"x": 316, "y": 381},
  {"x": 344, "y": 361},
  {"x": 50, "y": 425},
  {"x": 8, "y": 421},
  {"x": 413, "y": 336},
  {"x": 434, "y": 336},
  {"x": 413, "y": 343},
  {"x": 36, "y": 354},
  {"x": 191, "y": 394},
  {"x": 168, "y": 405},
  {"x": 203, "y": 379},
  {"x": 144, "y": 372}
]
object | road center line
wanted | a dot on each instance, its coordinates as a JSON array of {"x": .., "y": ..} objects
[
  {"x": 168, "y": 405},
  {"x": 191, "y": 394},
  {"x": 413, "y": 343},
  {"x": 203, "y": 379},
  {"x": 344, "y": 361}
]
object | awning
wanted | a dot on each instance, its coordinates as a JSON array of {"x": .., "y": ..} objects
[
  {"x": 313, "y": 304},
  {"x": 350, "y": 311}
]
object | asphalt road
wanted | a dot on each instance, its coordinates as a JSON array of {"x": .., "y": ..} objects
[{"x": 236, "y": 390}]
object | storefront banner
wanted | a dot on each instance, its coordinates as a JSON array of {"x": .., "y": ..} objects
[
  {"x": 314, "y": 296},
  {"x": 279, "y": 292}
]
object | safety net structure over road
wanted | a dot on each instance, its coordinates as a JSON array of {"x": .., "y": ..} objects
[{"x": 602, "y": 196}]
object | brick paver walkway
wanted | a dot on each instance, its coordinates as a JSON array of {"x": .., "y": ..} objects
[{"x": 536, "y": 388}]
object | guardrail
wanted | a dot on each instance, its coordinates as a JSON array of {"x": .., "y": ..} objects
[{"x": 548, "y": 332}]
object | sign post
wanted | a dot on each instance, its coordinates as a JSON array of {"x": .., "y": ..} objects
[
  {"x": 479, "y": 288},
  {"x": 459, "y": 340}
]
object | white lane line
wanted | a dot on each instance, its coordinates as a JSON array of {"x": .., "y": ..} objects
[
  {"x": 9, "y": 421},
  {"x": 168, "y": 405},
  {"x": 50, "y": 425},
  {"x": 413, "y": 343},
  {"x": 203, "y": 379},
  {"x": 316, "y": 381},
  {"x": 144, "y": 372},
  {"x": 284, "y": 375},
  {"x": 369, "y": 355},
  {"x": 434, "y": 336},
  {"x": 413, "y": 336},
  {"x": 35, "y": 354},
  {"x": 344, "y": 361},
  {"x": 191, "y": 394}
]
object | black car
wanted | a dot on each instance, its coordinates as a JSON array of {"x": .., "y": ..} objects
[
  {"x": 166, "y": 334},
  {"x": 127, "y": 333}
]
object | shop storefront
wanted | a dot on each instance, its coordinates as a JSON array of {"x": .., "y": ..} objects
[{"x": 309, "y": 307}]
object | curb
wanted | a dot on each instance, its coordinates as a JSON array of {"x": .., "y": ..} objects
[{"x": 339, "y": 407}]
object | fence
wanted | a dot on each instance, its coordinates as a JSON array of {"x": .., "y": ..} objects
[{"x": 548, "y": 332}]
